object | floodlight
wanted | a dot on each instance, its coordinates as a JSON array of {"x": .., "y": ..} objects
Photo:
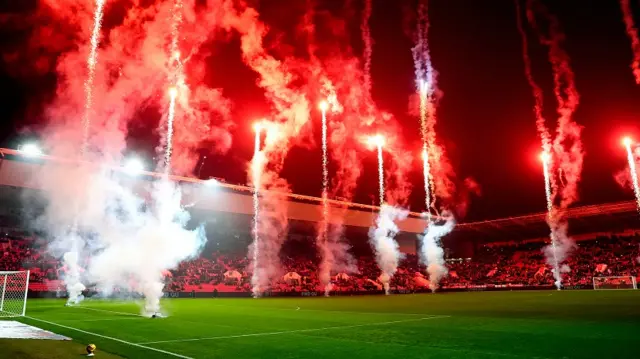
[{"x": 30, "y": 150}]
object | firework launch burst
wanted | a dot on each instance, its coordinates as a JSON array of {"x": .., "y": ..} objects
[
  {"x": 436, "y": 170},
  {"x": 565, "y": 149}
]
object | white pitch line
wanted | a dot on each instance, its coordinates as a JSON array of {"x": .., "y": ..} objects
[
  {"x": 295, "y": 331},
  {"x": 112, "y": 338}
]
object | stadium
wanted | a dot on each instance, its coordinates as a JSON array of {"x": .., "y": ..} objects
[
  {"x": 498, "y": 280},
  {"x": 290, "y": 179}
]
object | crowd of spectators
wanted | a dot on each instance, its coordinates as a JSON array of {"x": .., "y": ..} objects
[{"x": 229, "y": 270}]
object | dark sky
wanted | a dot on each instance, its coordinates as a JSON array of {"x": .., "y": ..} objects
[{"x": 486, "y": 121}]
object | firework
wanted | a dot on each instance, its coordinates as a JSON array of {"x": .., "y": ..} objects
[
  {"x": 176, "y": 78},
  {"x": 325, "y": 172},
  {"x": 378, "y": 141},
  {"x": 173, "y": 93},
  {"x": 566, "y": 146},
  {"x": 426, "y": 169},
  {"x": 632, "y": 169},
  {"x": 325, "y": 272},
  {"x": 256, "y": 174},
  {"x": 92, "y": 59},
  {"x": 545, "y": 157}
]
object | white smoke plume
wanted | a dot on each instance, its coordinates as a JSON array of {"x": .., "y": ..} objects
[
  {"x": 381, "y": 237},
  {"x": 119, "y": 240},
  {"x": 336, "y": 258},
  {"x": 72, "y": 278},
  {"x": 431, "y": 252},
  {"x": 559, "y": 249}
]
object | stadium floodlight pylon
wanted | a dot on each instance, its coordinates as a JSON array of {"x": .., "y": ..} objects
[
  {"x": 616, "y": 282},
  {"x": 13, "y": 293}
]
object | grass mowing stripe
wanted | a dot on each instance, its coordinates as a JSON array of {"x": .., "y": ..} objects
[
  {"x": 431, "y": 347},
  {"x": 98, "y": 320},
  {"x": 296, "y": 331},
  {"x": 112, "y": 338},
  {"x": 324, "y": 311},
  {"x": 109, "y": 311}
]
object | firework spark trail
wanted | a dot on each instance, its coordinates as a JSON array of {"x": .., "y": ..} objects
[
  {"x": 173, "y": 93},
  {"x": 366, "y": 38},
  {"x": 547, "y": 182},
  {"x": 543, "y": 131},
  {"x": 72, "y": 277},
  {"x": 426, "y": 168},
  {"x": 325, "y": 170},
  {"x": 91, "y": 68},
  {"x": 567, "y": 146},
  {"x": 380, "y": 172},
  {"x": 546, "y": 158},
  {"x": 327, "y": 254},
  {"x": 256, "y": 174},
  {"x": 633, "y": 172},
  {"x": 176, "y": 78},
  {"x": 632, "y": 32},
  {"x": 436, "y": 169}
]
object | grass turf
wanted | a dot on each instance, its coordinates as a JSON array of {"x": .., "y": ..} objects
[
  {"x": 45, "y": 349},
  {"x": 538, "y": 324}
]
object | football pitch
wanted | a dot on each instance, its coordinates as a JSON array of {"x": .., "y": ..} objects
[{"x": 536, "y": 324}]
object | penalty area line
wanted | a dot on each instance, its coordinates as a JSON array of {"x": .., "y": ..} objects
[
  {"x": 111, "y": 338},
  {"x": 296, "y": 331}
]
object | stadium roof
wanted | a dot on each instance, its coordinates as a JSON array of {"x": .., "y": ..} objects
[
  {"x": 602, "y": 218},
  {"x": 21, "y": 171}
]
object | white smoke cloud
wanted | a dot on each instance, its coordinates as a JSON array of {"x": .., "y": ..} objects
[
  {"x": 112, "y": 238},
  {"x": 381, "y": 237},
  {"x": 431, "y": 252},
  {"x": 72, "y": 278},
  {"x": 559, "y": 249}
]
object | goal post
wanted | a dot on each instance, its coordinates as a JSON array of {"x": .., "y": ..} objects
[
  {"x": 13, "y": 293},
  {"x": 612, "y": 283}
]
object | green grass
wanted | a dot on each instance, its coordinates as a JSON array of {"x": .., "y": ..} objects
[
  {"x": 45, "y": 349},
  {"x": 539, "y": 324}
]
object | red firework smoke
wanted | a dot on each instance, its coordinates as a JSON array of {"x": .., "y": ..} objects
[
  {"x": 566, "y": 156},
  {"x": 131, "y": 73},
  {"x": 567, "y": 146},
  {"x": 441, "y": 184},
  {"x": 632, "y": 32}
]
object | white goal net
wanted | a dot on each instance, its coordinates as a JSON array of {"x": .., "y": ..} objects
[
  {"x": 623, "y": 282},
  {"x": 13, "y": 293}
]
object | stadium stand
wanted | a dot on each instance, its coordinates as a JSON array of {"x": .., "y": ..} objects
[{"x": 227, "y": 270}]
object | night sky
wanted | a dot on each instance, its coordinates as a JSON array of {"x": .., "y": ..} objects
[{"x": 486, "y": 121}]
